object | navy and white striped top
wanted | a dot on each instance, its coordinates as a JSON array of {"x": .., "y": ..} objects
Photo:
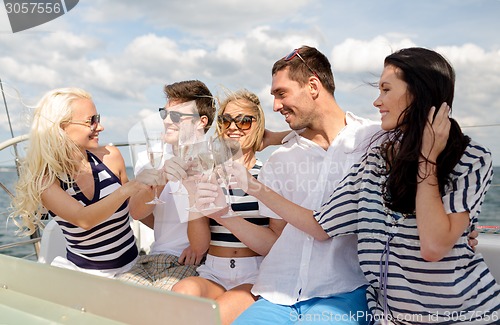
[
  {"x": 458, "y": 287},
  {"x": 247, "y": 206},
  {"x": 110, "y": 244}
]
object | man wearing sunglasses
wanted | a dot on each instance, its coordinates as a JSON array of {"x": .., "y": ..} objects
[
  {"x": 300, "y": 278},
  {"x": 171, "y": 258}
]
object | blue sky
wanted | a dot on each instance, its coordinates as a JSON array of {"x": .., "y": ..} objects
[{"x": 123, "y": 52}]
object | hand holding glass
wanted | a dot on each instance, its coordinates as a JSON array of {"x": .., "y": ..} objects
[
  {"x": 203, "y": 168},
  {"x": 154, "y": 148},
  {"x": 187, "y": 138},
  {"x": 225, "y": 150}
]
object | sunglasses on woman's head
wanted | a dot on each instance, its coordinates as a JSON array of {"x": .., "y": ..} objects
[
  {"x": 295, "y": 53},
  {"x": 92, "y": 122},
  {"x": 242, "y": 122},
  {"x": 174, "y": 115}
]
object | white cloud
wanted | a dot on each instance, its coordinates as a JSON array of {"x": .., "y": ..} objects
[
  {"x": 233, "y": 50},
  {"x": 35, "y": 72},
  {"x": 209, "y": 18},
  {"x": 355, "y": 55},
  {"x": 465, "y": 54},
  {"x": 123, "y": 52},
  {"x": 478, "y": 79}
]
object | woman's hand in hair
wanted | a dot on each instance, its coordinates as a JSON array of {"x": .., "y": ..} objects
[{"x": 436, "y": 133}]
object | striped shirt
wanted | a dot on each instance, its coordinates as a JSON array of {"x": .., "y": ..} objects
[
  {"x": 110, "y": 244},
  {"x": 459, "y": 287},
  {"x": 244, "y": 204}
]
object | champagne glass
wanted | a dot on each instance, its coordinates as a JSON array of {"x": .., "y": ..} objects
[
  {"x": 155, "y": 148},
  {"x": 205, "y": 158},
  {"x": 225, "y": 151},
  {"x": 203, "y": 166},
  {"x": 187, "y": 138}
]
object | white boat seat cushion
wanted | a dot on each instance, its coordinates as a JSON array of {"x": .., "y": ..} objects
[{"x": 53, "y": 243}]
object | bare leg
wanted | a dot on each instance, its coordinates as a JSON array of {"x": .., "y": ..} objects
[
  {"x": 200, "y": 287},
  {"x": 233, "y": 302}
]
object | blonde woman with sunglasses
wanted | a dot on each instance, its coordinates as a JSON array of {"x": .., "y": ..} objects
[
  {"x": 234, "y": 255},
  {"x": 82, "y": 185}
]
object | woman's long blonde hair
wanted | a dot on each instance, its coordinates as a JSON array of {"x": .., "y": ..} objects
[
  {"x": 51, "y": 156},
  {"x": 246, "y": 99}
]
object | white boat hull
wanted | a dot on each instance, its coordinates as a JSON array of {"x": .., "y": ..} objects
[{"x": 489, "y": 247}]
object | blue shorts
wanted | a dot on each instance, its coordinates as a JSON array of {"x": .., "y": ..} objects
[{"x": 346, "y": 308}]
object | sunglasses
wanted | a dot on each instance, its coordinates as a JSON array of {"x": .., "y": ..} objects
[
  {"x": 242, "y": 122},
  {"x": 174, "y": 115},
  {"x": 295, "y": 53},
  {"x": 92, "y": 122}
]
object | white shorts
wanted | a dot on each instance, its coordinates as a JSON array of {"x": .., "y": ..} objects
[
  {"x": 62, "y": 262},
  {"x": 230, "y": 272}
]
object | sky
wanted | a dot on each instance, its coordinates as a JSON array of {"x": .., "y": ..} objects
[{"x": 123, "y": 52}]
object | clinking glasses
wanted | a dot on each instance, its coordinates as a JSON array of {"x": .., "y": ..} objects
[
  {"x": 295, "y": 53},
  {"x": 92, "y": 122},
  {"x": 242, "y": 122},
  {"x": 174, "y": 115}
]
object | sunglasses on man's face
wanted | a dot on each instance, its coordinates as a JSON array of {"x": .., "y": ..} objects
[
  {"x": 242, "y": 122},
  {"x": 92, "y": 122},
  {"x": 174, "y": 115},
  {"x": 295, "y": 53}
]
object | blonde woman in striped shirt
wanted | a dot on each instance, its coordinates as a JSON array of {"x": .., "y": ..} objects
[
  {"x": 234, "y": 257},
  {"x": 83, "y": 186}
]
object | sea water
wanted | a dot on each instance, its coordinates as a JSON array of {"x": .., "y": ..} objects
[{"x": 490, "y": 214}]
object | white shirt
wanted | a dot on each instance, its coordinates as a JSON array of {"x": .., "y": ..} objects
[
  {"x": 298, "y": 267},
  {"x": 170, "y": 226}
]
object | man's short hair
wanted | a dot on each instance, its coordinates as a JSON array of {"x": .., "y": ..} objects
[{"x": 300, "y": 71}]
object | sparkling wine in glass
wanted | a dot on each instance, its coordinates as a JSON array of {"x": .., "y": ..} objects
[
  {"x": 188, "y": 136},
  {"x": 225, "y": 151},
  {"x": 203, "y": 165},
  {"x": 155, "y": 150}
]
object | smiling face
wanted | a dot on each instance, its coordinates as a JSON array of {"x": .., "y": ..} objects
[
  {"x": 244, "y": 137},
  {"x": 172, "y": 127},
  {"x": 80, "y": 131},
  {"x": 393, "y": 99},
  {"x": 292, "y": 100}
]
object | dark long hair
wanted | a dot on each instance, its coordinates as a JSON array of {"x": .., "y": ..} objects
[{"x": 431, "y": 81}]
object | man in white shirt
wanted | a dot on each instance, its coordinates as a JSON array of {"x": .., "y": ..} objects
[
  {"x": 302, "y": 279},
  {"x": 171, "y": 258}
]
